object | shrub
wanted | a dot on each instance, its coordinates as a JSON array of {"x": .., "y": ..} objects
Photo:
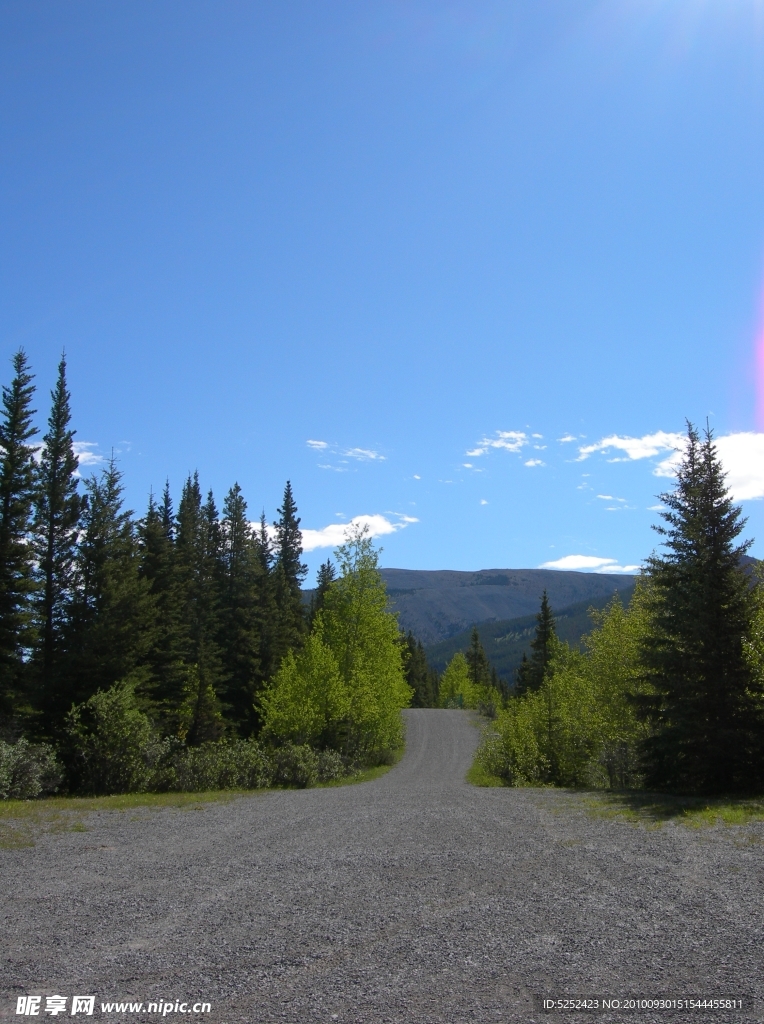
[
  {"x": 296, "y": 766},
  {"x": 108, "y": 743},
  {"x": 332, "y": 766},
  {"x": 240, "y": 764},
  {"x": 28, "y": 770}
]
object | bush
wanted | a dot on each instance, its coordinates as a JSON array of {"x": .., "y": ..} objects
[
  {"x": 240, "y": 764},
  {"x": 296, "y": 766},
  {"x": 332, "y": 766},
  {"x": 28, "y": 770},
  {"x": 109, "y": 740},
  {"x": 580, "y": 727}
]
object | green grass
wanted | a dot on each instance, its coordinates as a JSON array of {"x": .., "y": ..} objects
[
  {"x": 654, "y": 809},
  {"x": 478, "y": 776},
  {"x": 22, "y": 820}
]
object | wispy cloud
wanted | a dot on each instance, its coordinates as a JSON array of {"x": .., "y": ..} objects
[
  {"x": 342, "y": 457},
  {"x": 334, "y": 534},
  {"x": 589, "y": 563},
  {"x": 509, "y": 440},
  {"x": 534, "y": 462},
  {"x": 567, "y": 438}
]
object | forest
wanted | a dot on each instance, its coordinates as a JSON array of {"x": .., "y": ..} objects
[{"x": 177, "y": 651}]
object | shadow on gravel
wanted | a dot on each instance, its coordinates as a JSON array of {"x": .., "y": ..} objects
[{"x": 657, "y": 808}]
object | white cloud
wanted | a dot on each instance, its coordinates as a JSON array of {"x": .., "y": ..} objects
[
  {"x": 483, "y": 501},
  {"x": 537, "y": 435},
  {"x": 606, "y": 497},
  {"x": 318, "y": 445},
  {"x": 85, "y": 455},
  {"x": 590, "y": 563},
  {"x": 741, "y": 455},
  {"x": 510, "y": 440},
  {"x": 334, "y": 534},
  {"x": 567, "y": 438},
  {"x": 467, "y": 465},
  {"x": 417, "y": 476},
  {"x": 635, "y": 447},
  {"x": 534, "y": 462},
  {"x": 655, "y": 508}
]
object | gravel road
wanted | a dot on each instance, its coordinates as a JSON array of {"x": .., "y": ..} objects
[{"x": 413, "y": 898}]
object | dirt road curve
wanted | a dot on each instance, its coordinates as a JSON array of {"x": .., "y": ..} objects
[{"x": 414, "y": 898}]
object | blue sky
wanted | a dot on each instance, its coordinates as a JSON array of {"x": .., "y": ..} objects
[{"x": 348, "y": 244}]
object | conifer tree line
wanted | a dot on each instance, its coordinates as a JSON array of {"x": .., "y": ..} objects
[{"x": 192, "y": 605}]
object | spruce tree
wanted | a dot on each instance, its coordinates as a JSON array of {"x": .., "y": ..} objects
[
  {"x": 17, "y": 491},
  {"x": 706, "y": 703},
  {"x": 421, "y": 678},
  {"x": 269, "y": 659},
  {"x": 156, "y": 532},
  {"x": 530, "y": 674},
  {"x": 56, "y": 523},
  {"x": 240, "y": 623},
  {"x": 198, "y": 579},
  {"x": 325, "y": 576},
  {"x": 479, "y": 667},
  {"x": 112, "y": 620},
  {"x": 289, "y": 573}
]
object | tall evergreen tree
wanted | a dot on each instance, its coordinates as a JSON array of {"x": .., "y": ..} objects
[
  {"x": 289, "y": 574},
  {"x": 198, "y": 579},
  {"x": 110, "y": 628},
  {"x": 158, "y": 567},
  {"x": 56, "y": 522},
  {"x": 477, "y": 662},
  {"x": 240, "y": 624},
  {"x": 530, "y": 674},
  {"x": 325, "y": 576},
  {"x": 17, "y": 491},
  {"x": 422, "y": 679},
  {"x": 706, "y": 706}
]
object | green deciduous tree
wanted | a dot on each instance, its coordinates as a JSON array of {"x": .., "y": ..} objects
[
  {"x": 363, "y": 636},
  {"x": 17, "y": 492},
  {"x": 456, "y": 690},
  {"x": 347, "y": 687},
  {"x": 706, "y": 703},
  {"x": 580, "y": 727}
]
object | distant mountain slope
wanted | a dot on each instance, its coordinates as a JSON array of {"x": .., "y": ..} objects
[
  {"x": 505, "y": 641},
  {"x": 436, "y": 605}
]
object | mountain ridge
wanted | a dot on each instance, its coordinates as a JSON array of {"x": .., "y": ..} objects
[{"x": 436, "y": 604}]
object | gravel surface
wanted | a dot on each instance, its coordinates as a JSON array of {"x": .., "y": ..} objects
[{"x": 413, "y": 898}]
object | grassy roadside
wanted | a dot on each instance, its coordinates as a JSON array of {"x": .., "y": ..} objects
[
  {"x": 655, "y": 809},
  {"x": 21, "y": 821},
  {"x": 650, "y": 809}
]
